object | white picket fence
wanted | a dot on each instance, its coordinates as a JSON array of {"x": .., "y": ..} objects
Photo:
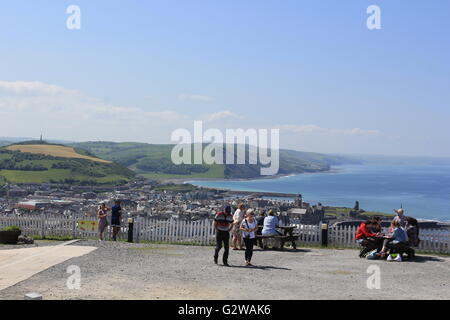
[
  {"x": 199, "y": 232},
  {"x": 431, "y": 240}
]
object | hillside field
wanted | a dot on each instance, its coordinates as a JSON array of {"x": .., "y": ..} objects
[
  {"x": 154, "y": 162},
  {"x": 39, "y": 163},
  {"x": 53, "y": 150}
]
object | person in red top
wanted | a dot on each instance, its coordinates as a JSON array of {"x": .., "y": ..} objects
[
  {"x": 223, "y": 222},
  {"x": 364, "y": 232},
  {"x": 367, "y": 239}
]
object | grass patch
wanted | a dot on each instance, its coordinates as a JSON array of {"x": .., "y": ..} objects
[
  {"x": 53, "y": 150},
  {"x": 53, "y": 238},
  {"x": 214, "y": 172}
]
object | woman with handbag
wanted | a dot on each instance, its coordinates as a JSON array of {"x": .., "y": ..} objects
[{"x": 249, "y": 227}]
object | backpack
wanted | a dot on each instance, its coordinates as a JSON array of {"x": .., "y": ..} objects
[{"x": 372, "y": 255}]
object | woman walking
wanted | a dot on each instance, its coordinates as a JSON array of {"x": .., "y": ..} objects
[
  {"x": 102, "y": 214},
  {"x": 238, "y": 217},
  {"x": 248, "y": 228}
]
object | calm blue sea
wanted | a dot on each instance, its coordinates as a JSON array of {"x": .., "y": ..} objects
[{"x": 423, "y": 191}]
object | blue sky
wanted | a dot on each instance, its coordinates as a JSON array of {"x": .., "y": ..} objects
[{"x": 138, "y": 69}]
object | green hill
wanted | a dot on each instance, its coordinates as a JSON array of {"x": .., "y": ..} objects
[
  {"x": 38, "y": 162},
  {"x": 154, "y": 161}
]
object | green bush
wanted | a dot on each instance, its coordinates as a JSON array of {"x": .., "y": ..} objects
[{"x": 12, "y": 228}]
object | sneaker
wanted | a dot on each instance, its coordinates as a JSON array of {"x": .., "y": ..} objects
[
  {"x": 390, "y": 258},
  {"x": 225, "y": 264},
  {"x": 381, "y": 255},
  {"x": 216, "y": 261},
  {"x": 398, "y": 258}
]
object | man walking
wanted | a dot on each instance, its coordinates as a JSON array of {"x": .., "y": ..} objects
[{"x": 223, "y": 222}]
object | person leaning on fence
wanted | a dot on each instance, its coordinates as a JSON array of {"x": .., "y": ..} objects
[
  {"x": 116, "y": 216},
  {"x": 223, "y": 222},
  {"x": 102, "y": 215}
]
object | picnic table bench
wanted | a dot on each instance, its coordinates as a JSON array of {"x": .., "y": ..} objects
[{"x": 287, "y": 236}]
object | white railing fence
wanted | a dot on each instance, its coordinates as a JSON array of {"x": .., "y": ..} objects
[{"x": 197, "y": 232}]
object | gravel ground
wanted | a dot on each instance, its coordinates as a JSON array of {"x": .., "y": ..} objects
[
  {"x": 37, "y": 243},
  {"x": 148, "y": 271}
]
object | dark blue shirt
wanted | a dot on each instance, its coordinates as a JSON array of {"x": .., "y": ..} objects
[{"x": 116, "y": 211}]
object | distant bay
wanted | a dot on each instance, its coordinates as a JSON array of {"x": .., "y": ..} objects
[{"x": 423, "y": 191}]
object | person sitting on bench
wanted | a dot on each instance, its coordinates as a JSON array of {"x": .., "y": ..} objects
[
  {"x": 412, "y": 232},
  {"x": 269, "y": 230},
  {"x": 366, "y": 238},
  {"x": 270, "y": 225},
  {"x": 399, "y": 238}
]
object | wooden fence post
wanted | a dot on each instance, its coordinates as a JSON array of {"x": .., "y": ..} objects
[
  {"x": 74, "y": 227},
  {"x": 130, "y": 229},
  {"x": 43, "y": 225}
]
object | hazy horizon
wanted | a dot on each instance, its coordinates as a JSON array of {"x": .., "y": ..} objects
[
  {"x": 372, "y": 156},
  {"x": 137, "y": 71}
]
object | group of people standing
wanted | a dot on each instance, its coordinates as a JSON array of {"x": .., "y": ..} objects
[
  {"x": 244, "y": 228},
  {"x": 116, "y": 218}
]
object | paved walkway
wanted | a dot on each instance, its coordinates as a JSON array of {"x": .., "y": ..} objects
[{"x": 17, "y": 265}]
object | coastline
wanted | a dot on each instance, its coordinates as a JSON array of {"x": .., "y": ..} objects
[
  {"x": 273, "y": 177},
  {"x": 319, "y": 187}
]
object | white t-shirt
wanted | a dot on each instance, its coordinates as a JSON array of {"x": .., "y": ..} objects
[
  {"x": 249, "y": 225},
  {"x": 238, "y": 215}
]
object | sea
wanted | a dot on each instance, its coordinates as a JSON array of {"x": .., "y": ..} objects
[{"x": 422, "y": 190}]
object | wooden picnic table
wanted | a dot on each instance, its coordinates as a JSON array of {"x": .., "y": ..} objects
[
  {"x": 287, "y": 230},
  {"x": 287, "y": 235}
]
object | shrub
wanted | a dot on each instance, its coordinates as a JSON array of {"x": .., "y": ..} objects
[{"x": 11, "y": 228}]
